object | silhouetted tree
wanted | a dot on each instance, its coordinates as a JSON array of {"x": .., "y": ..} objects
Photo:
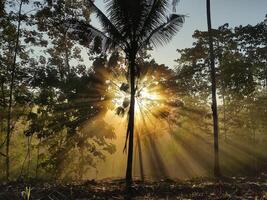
[
  {"x": 214, "y": 100},
  {"x": 11, "y": 52},
  {"x": 240, "y": 58},
  {"x": 130, "y": 26},
  {"x": 15, "y": 74}
]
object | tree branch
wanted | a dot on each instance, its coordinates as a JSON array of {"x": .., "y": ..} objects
[{"x": 1, "y": 154}]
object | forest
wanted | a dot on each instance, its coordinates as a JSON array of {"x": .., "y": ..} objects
[{"x": 87, "y": 111}]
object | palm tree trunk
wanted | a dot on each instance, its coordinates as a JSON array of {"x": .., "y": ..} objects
[
  {"x": 214, "y": 101},
  {"x": 130, "y": 130},
  {"x": 10, "y": 102}
]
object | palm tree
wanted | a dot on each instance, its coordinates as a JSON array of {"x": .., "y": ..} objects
[
  {"x": 130, "y": 25},
  {"x": 213, "y": 90}
]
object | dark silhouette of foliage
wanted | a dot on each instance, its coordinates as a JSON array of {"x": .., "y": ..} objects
[{"x": 130, "y": 26}]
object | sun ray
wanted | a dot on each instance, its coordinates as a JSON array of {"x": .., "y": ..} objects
[{"x": 152, "y": 100}]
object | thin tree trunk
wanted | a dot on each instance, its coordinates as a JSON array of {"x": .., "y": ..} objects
[
  {"x": 67, "y": 53},
  {"x": 67, "y": 65},
  {"x": 130, "y": 128},
  {"x": 141, "y": 165},
  {"x": 13, "y": 72},
  {"x": 2, "y": 139},
  {"x": 29, "y": 155},
  {"x": 214, "y": 101},
  {"x": 3, "y": 93},
  {"x": 37, "y": 159},
  {"x": 255, "y": 156},
  {"x": 224, "y": 117}
]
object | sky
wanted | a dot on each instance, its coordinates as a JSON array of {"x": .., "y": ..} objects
[{"x": 234, "y": 12}]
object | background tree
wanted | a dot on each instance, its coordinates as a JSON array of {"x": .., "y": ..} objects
[
  {"x": 61, "y": 94},
  {"x": 214, "y": 95},
  {"x": 239, "y": 83},
  {"x": 45, "y": 84},
  {"x": 13, "y": 63}
]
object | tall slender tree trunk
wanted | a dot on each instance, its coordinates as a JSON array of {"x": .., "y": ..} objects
[
  {"x": 66, "y": 70},
  {"x": 141, "y": 165},
  {"x": 130, "y": 131},
  {"x": 3, "y": 96},
  {"x": 37, "y": 159},
  {"x": 254, "y": 152},
  {"x": 10, "y": 102},
  {"x": 29, "y": 143},
  {"x": 214, "y": 101},
  {"x": 224, "y": 116}
]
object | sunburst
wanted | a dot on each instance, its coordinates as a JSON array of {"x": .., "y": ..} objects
[{"x": 153, "y": 98}]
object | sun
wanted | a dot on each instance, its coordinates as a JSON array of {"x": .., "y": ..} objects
[
  {"x": 151, "y": 105},
  {"x": 145, "y": 99},
  {"x": 154, "y": 97}
]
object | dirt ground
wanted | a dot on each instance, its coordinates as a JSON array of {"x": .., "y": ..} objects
[{"x": 202, "y": 188}]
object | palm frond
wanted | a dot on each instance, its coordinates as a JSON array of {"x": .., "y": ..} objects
[
  {"x": 107, "y": 25},
  {"x": 85, "y": 33},
  {"x": 127, "y": 15},
  {"x": 164, "y": 33},
  {"x": 117, "y": 13},
  {"x": 156, "y": 12},
  {"x": 174, "y": 5}
]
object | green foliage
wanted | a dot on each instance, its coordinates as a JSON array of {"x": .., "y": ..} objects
[
  {"x": 52, "y": 99},
  {"x": 240, "y": 55}
]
